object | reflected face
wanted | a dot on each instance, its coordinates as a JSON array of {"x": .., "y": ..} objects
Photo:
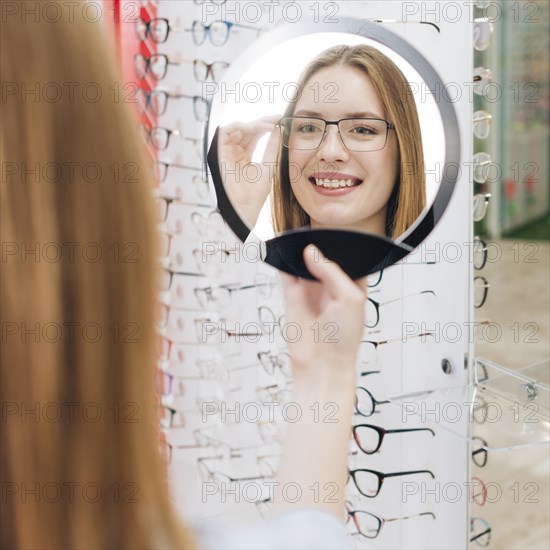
[{"x": 321, "y": 178}]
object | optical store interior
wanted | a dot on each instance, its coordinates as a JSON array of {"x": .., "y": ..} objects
[{"x": 203, "y": 397}]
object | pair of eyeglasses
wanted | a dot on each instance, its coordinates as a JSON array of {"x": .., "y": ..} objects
[
  {"x": 480, "y": 531},
  {"x": 222, "y": 295},
  {"x": 203, "y": 70},
  {"x": 482, "y": 124},
  {"x": 481, "y": 289},
  {"x": 373, "y": 307},
  {"x": 369, "y": 482},
  {"x": 157, "y": 136},
  {"x": 156, "y": 100},
  {"x": 365, "y": 403},
  {"x": 479, "y": 452},
  {"x": 369, "y": 438},
  {"x": 481, "y": 202},
  {"x": 218, "y": 31},
  {"x": 214, "y": 476},
  {"x": 278, "y": 361},
  {"x": 157, "y": 29},
  {"x": 357, "y": 134},
  {"x": 368, "y": 348},
  {"x": 268, "y": 320},
  {"x": 160, "y": 169},
  {"x": 274, "y": 393},
  {"x": 369, "y": 525}
]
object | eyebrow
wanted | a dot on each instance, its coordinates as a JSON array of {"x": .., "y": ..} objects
[{"x": 362, "y": 114}]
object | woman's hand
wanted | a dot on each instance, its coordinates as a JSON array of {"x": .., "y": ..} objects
[
  {"x": 330, "y": 313},
  {"x": 248, "y": 184}
]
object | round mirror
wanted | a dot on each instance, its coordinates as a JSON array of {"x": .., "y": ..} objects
[{"x": 331, "y": 135}]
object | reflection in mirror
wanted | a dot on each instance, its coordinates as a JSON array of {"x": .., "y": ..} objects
[{"x": 334, "y": 137}]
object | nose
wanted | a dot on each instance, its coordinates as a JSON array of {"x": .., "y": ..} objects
[{"x": 332, "y": 147}]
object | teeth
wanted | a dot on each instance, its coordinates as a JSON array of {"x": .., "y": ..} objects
[{"x": 334, "y": 184}]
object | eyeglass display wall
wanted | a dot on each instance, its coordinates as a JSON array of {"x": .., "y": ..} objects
[
  {"x": 516, "y": 56},
  {"x": 222, "y": 334}
]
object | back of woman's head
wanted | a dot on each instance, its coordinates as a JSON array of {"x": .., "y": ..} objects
[
  {"x": 80, "y": 466},
  {"x": 409, "y": 194}
]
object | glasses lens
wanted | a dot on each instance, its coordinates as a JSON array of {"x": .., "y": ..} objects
[
  {"x": 158, "y": 64},
  {"x": 480, "y": 532},
  {"x": 482, "y": 124},
  {"x": 158, "y": 102},
  {"x": 141, "y": 29},
  {"x": 140, "y": 65},
  {"x": 302, "y": 133},
  {"x": 219, "y": 32},
  {"x": 374, "y": 280},
  {"x": 364, "y": 402},
  {"x": 480, "y": 254},
  {"x": 367, "y": 483},
  {"x": 200, "y": 107},
  {"x": 198, "y": 31},
  {"x": 160, "y": 138},
  {"x": 158, "y": 30},
  {"x": 142, "y": 100},
  {"x": 482, "y": 164},
  {"x": 483, "y": 29},
  {"x": 371, "y": 315},
  {"x": 367, "y": 524},
  {"x": 200, "y": 69},
  {"x": 481, "y": 287},
  {"x": 267, "y": 364},
  {"x": 363, "y": 134},
  {"x": 482, "y": 77},
  {"x": 283, "y": 362},
  {"x": 367, "y": 438},
  {"x": 160, "y": 170},
  {"x": 267, "y": 320},
  {"x": 481, "y": 202},
  {"x": 367, "y": 354},
  {"x": 217, "y": 69},
  {"x": 479, "y": 452}
]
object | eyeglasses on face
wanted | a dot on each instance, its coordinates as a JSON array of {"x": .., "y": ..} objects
[
  {"x": 217, "y": 31},
  {"x": 357, "y": 134},
  {"x": 369, "y": 482},
  {"x": 369, "y": 525},
  {"x": 369, "y": 438}
]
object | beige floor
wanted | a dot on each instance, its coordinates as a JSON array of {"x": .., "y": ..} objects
[{"x": 518, "y": 301}]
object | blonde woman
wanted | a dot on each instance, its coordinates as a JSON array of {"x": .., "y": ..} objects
[
  {"x": 79, "y": 459},
  {"x": 347, "y": 151}
]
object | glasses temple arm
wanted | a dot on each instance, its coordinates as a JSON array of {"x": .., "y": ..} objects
[
  {"x": 411, "y": 472},
  {"x": 404, "y": 430}
]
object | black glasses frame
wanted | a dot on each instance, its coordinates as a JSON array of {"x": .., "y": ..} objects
[
  {"x": 381, "y": 434},
  {"x": 284, "y": 130},
  {"x": 381, "y": 477}
]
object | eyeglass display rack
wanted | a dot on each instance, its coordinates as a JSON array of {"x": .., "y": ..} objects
[{"x": 226, "y": 370}]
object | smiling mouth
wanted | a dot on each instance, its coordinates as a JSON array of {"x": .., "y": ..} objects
[{"x": 335, "y": 183}]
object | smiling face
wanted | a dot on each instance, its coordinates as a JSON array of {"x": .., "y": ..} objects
[{"x": 336, "y": 187}]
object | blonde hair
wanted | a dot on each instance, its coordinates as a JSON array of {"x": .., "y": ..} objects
[
  {"x": 409, "y": 195},
  {"x": 79, "y": 456}
]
